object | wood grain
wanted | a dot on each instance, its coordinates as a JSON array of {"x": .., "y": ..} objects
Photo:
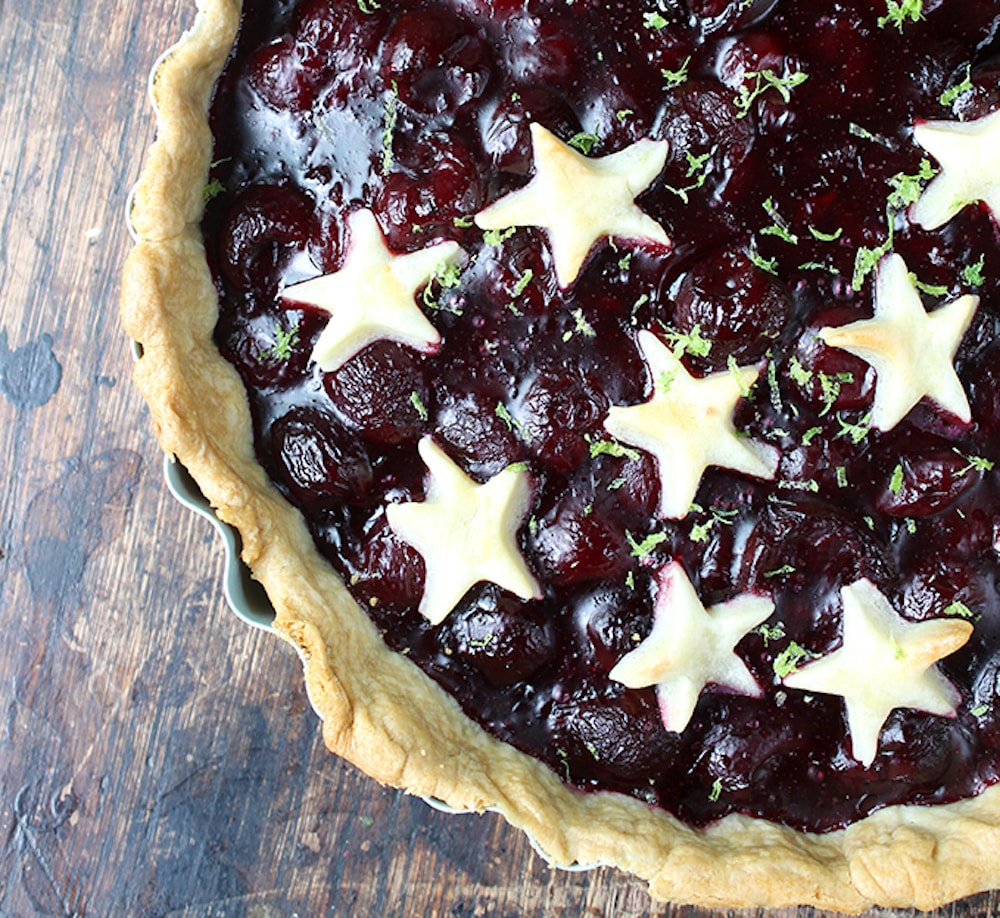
[{"x": 159, "y": 757}]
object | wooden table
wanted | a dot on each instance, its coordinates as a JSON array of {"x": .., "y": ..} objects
[{"x": 158, "y": 756}]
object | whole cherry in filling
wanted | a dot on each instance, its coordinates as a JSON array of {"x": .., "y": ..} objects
[{"x": 702, "y": 305}]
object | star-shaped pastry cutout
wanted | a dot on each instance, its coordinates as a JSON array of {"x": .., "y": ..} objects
[
  {"x": 969, "y": 155},
  {"x": 371, "y": 297},
  {"x": 579, "y": 200},
  {"x": 466, "y": 532},
  {"x": 911, "y": 350},
  {"x": 885, "y": 662},
  {"x": 691, "y": 647},
  {"x": 688, "y": 425}
]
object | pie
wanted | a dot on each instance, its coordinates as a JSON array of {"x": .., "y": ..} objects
[{"x": 606, "y": 395}]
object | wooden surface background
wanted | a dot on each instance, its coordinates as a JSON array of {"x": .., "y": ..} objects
[{"x": 158, "y": 757}]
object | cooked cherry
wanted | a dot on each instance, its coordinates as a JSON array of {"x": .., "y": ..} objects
[
  {"x": 479, "y": 430},
  {"x": 279, "y": 77},
  {"x": 816, "y": 550},
  {"x": 399, "y": 411},
  {"x": 559, "y": 414},
  {"x": 698, "y": 118},
  {"x": 388, "y": 571},
  {"x": 506, "y": 137},
  {"x": 739, "y": 307},
  {"x": 269, "y": 348},
  {"x": 575, "y": 543},
  {"x": 617, "y": 736},
  {"x": 933, "y": 583},
  {"x": 542, "y": 51},
  {"x": 730, "y": 14},
  {"x": 924, "y": 483},
  {"x": 613, "y": 619},
  {"x": 339, "y": 38},
  {"x": 632, "y": 480},
  {"x": 832, "y": 457},
  {"x": 319, "y": 459},
  {"x": 923, "y": 749},
  {"x": 833, "y": 379},
  {"x": 735, "y": 755},
  {"x": 515, "y": 277},
  {"x": 984, "y": 96},
  {"x": 434, "y": 183},
  {"x": 507, "y": 639},
  {"x": 753, "y": 52},
  {"x": 265, "y": 224},
  {"x": 984, "y": 397},
  {"x": 435, "y": 62}
]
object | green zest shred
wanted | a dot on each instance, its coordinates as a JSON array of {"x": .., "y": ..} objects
[
  {"x": 976, "y": 464},
  {"x": 829, "y": 387},
  {"x": 810, "y": 435},
  {"x": 212, "y": 190},
  {"x": 786, "y": 662},
  {"x": 676, "y": 77},
  {"x": 896, "y": 481},
  {"x": 765, "y": 264},
  {"x": 798, "y": 373},
  {"x": 418, "y": 404},
  {"x": 907, "y": 188},
  {"x": 692, "y": 342},
  {"x": 961, "y": 610},
  {"x": 771, "y": 632},
  {"x": 654, "y": 20},
  {"x": 585, "y": 142},
  {"x": 784, "y": 569},
  {"x": 389, "y": 126},
  {"x": 855, "y": 431},
  {"x": 284, "y": 342},
  {"x": 973, "y": 274},
  {"x": 826, "y": 237},
  {"x": 760, "y": 81},
  {"x": 929, "y": 289},
  {"x": 901, "y": 10},
  {"x": 644, "y": 548},
  {"x": 696, "y": 170},
  {"x": 447, "y": 276},
  {"x": 497, "y": 237},
  {"x": 581, "y": 326},
  {"x": 779, "y": 227},
  {"x": 612, "y": 448},
  {"x": 959, "y": 89}
]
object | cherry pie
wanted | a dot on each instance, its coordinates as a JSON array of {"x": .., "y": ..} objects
[{"x": 606, "y": 394}]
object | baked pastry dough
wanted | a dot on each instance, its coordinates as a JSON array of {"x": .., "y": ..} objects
[{"x": 378, "y": 709}]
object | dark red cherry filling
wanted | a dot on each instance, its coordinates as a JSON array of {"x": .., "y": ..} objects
[{"x": 419, "y": 110}]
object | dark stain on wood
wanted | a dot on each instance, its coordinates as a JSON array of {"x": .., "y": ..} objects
[
  {"x": 29, "y": 375},
  {"x": 82, "y": 511}
]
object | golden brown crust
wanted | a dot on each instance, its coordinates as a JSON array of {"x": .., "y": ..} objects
[{"x": 400, "y": 727}]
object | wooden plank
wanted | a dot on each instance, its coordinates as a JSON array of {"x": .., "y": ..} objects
[{"x": 159, "y": 757}]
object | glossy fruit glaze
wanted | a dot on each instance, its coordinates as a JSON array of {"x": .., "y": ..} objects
[{"x": 419, "y": 111}]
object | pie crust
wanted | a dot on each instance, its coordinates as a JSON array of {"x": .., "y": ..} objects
[{"x": 380, "y": 711}]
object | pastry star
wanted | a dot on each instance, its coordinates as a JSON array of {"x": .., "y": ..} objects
[
  {"x": 885, "y": 662},
  {"x": 691, "y": 646},
  {"x": 372, "y": 296},
  {"x": 688, "y": 425},
  {"x": 466, "y": 532},
  {"x": 911, "y": 350},
  {"x": 580, "y": 200},
  {"x": 969, "y": 154}
]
